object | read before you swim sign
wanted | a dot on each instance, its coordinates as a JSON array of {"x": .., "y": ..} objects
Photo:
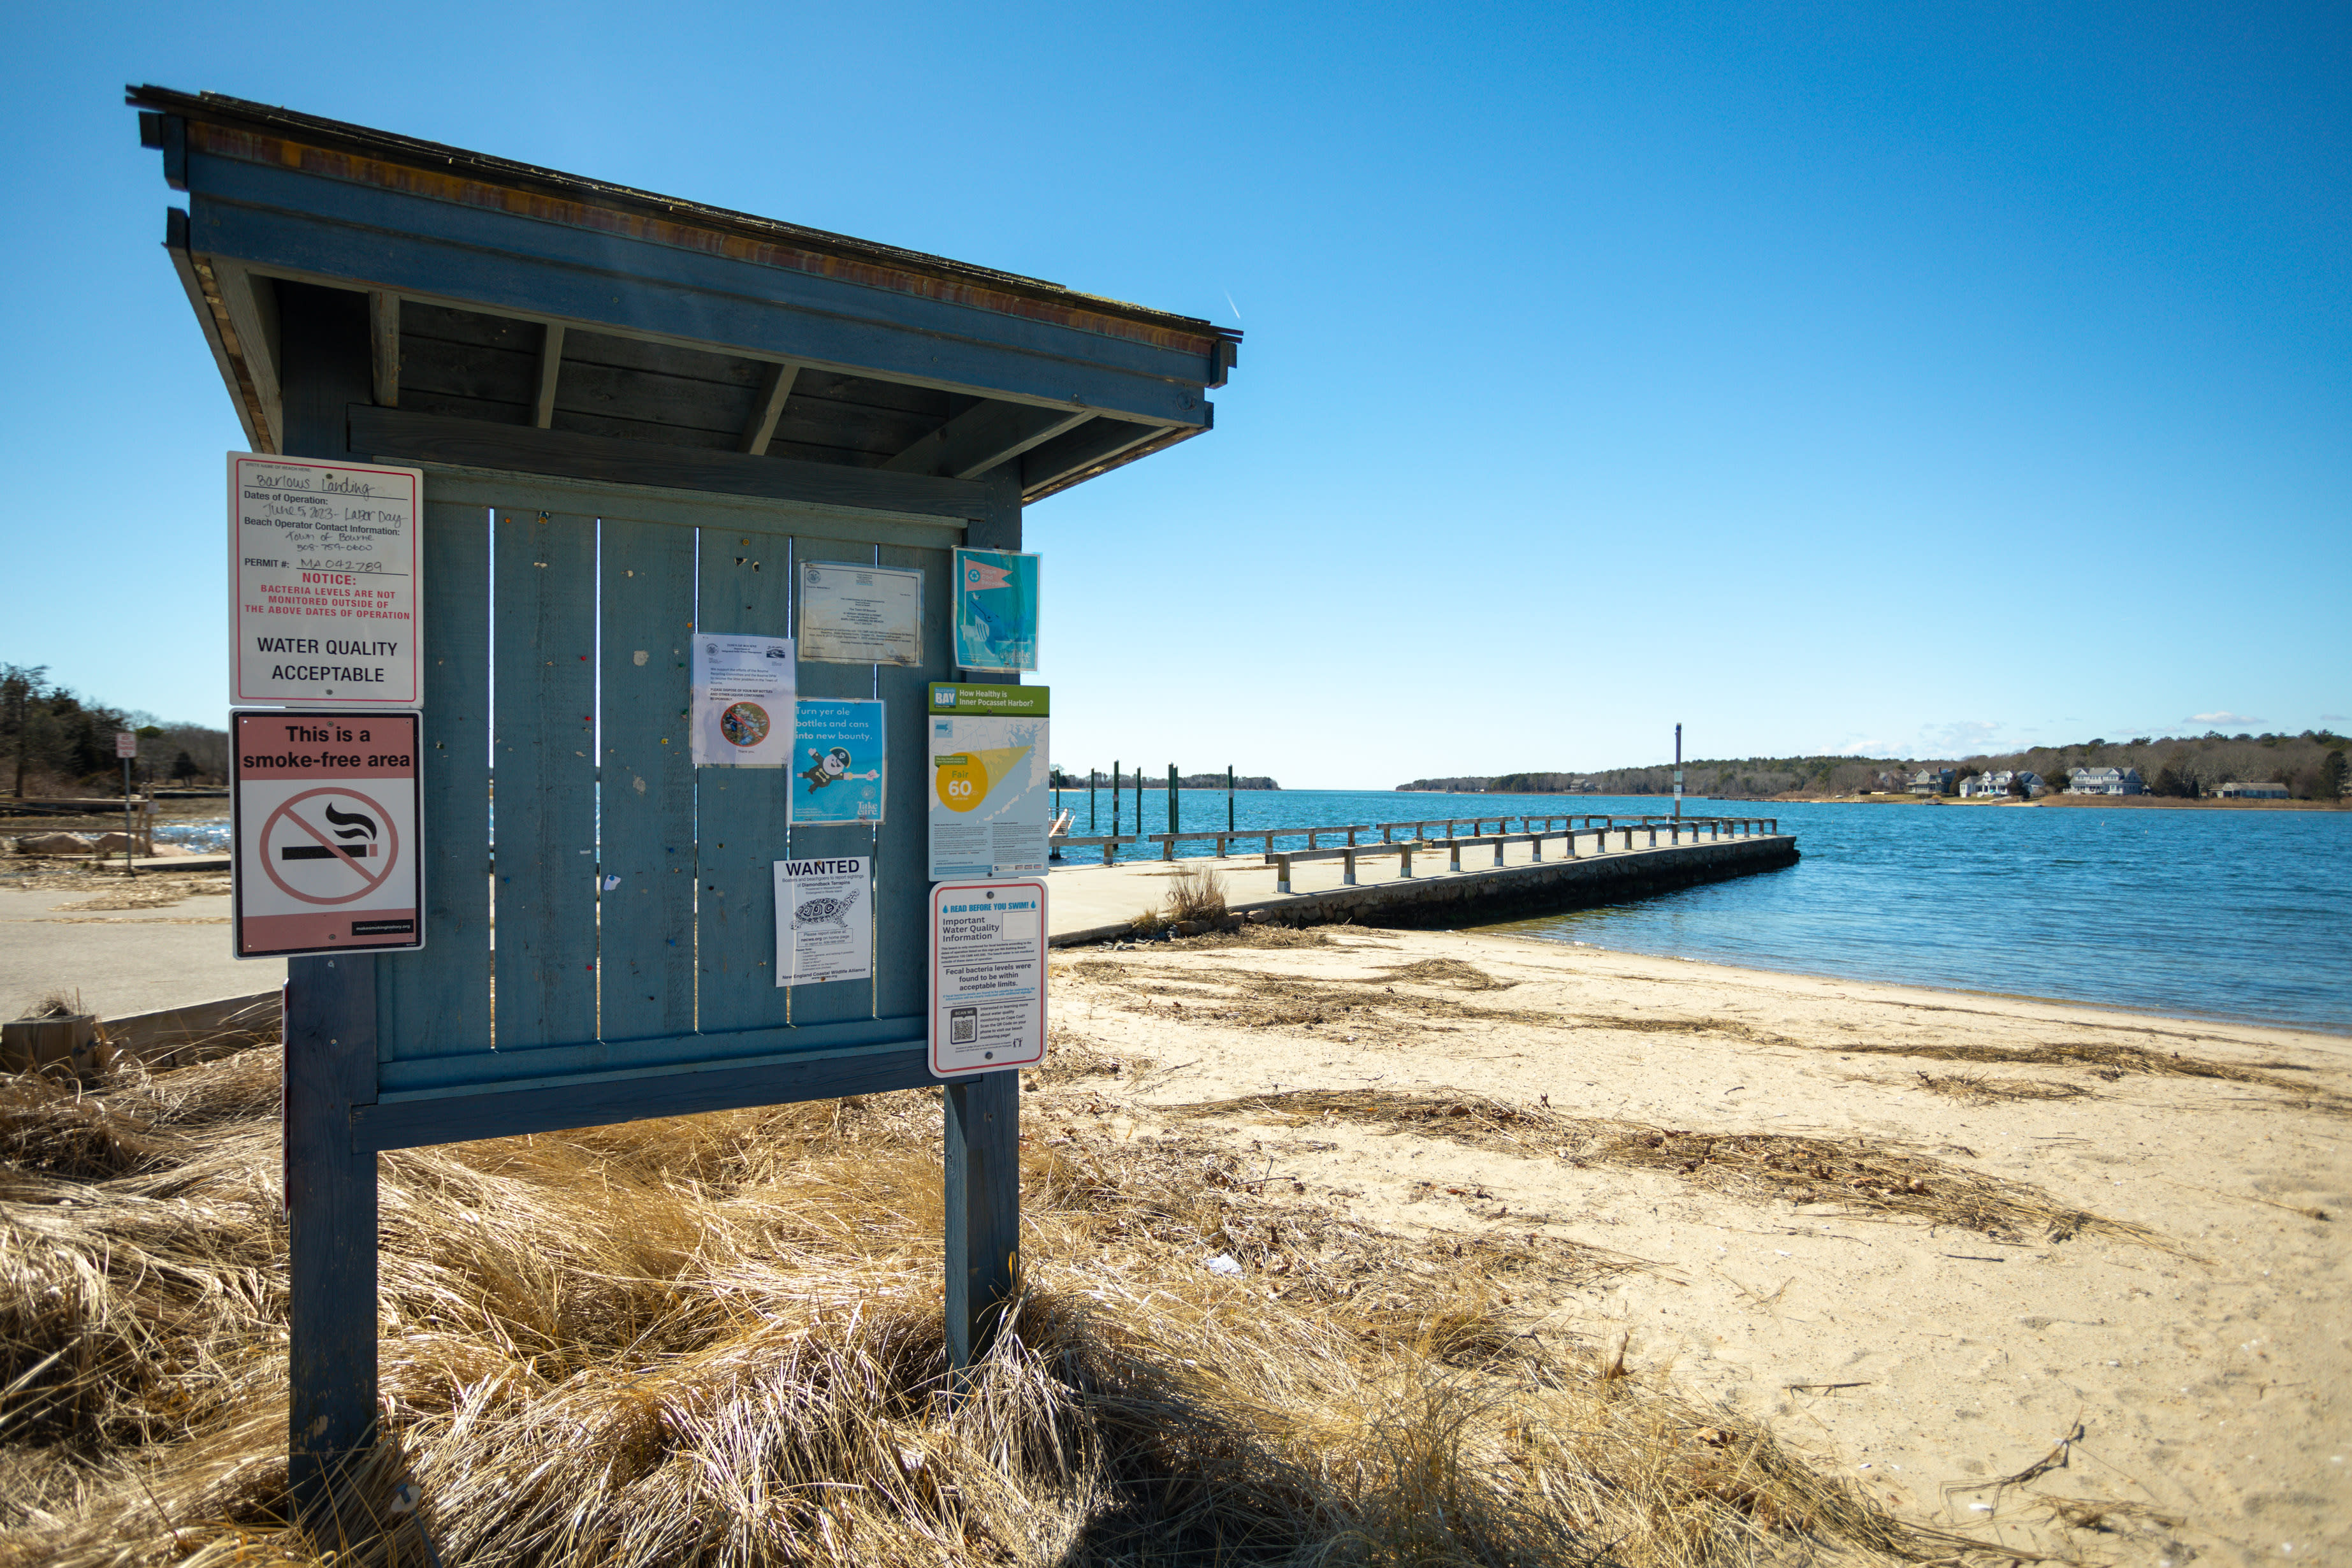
[{"x": 325, "y": 839}]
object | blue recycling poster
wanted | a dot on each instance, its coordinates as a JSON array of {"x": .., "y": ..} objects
[
  {"x": 995, "y": 610},
  {"x": 837, "y": 761}
]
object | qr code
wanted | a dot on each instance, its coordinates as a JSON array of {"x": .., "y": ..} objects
[{"x": 963, "y": 1025}]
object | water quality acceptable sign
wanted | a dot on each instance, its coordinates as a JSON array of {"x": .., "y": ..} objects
[
  {"x": 323, "y": 562},
  {"x": 324, "y": 834},
  {"x": 988, "y": 976},
  {"x": 992, "y": 797},
  {"x": 825, "y": 919},
  {"x": 995, "y": 610}
]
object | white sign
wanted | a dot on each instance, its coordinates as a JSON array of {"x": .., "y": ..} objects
[
  {"x": 126, "y": 742},
  {"x": 861, "y": 614},
  {"x": 988, "y": 976},
  {"x": 323, "y": 561},
  {"x": 992, "y": 796},
  {"x": 324, "y": 840},
  {"x": 825, "y": 919},
  {"x": 743, "y": 700}
]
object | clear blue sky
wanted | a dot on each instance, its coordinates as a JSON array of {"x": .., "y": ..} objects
[{"x": 1900, "y": 378}]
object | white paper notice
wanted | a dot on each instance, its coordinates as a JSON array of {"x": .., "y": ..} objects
[
  {"x": 861, "y": 614},
  {"x": 988, "y": 976},
  {"x": 322, "y": 571},
  {"x": 743, "y": 700},
  {"x": 825, "y": 919}
]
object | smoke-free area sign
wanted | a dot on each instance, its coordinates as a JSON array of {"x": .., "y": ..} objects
[{"x": 325, "y": 839}]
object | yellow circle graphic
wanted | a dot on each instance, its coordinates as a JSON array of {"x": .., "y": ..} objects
[{"x": 962, "y": 782}]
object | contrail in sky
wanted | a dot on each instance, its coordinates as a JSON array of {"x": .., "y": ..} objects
[{"x": 1229, "y": 299}]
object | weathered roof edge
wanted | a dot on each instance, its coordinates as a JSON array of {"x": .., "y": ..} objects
[{"x": 433, "y": 157}]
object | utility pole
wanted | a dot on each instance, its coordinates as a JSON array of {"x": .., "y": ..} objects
[
  {"x": 1229, "y": 797},
  {"x": 1678, "y": 770},
  {"x": 1093, "y": 776},
  {"x": 1172, "y": 826}
]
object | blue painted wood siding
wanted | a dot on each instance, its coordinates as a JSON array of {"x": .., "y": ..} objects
[{"x": 620, "y": 918}]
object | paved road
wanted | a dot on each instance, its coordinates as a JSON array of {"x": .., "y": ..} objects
[{"x": 121, "y": 960}]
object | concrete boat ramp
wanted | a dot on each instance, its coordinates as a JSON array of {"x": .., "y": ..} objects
[{"x": 1425, "y": 882}]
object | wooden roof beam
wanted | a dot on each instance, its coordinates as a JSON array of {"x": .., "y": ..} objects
[
  {"x": 550, "y": 369},
  {"x": 983, "y": 437},
  {"x": 1057, "y": 463},
  {"x": 775, "y": 391},
  {"x": 384, "y": 343}
]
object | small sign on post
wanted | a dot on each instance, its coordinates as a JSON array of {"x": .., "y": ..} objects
[
  {"x": 324, "y": 837},
  {"x": 988, "y": 976},
  {"x": 126, "y": 744}
]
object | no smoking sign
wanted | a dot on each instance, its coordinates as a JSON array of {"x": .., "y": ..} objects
[{"x": 327, "y": 854}]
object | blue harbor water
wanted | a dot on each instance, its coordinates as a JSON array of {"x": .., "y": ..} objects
[{"x": 2228, "y": 914}]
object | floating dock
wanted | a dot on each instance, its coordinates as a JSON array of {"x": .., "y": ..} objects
[{"x": 1430, "y": 882}]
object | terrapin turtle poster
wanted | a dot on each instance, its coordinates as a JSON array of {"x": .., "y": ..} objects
[
  {"x": 825, "y": 919},
  {"x": 995, "y": 610},
  {"x": 838, "y": 769}
]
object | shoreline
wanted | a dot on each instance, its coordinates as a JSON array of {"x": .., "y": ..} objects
[{"x": 2099, "y": 1011}]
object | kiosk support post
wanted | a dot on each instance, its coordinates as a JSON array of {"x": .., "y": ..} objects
[
  {"x": 983, "y": 1209},
  {"x": 330, "y": 1224}
]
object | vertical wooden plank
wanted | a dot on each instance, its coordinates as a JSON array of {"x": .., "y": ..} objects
[
  {"x": 984, "y": 1208},
  {"x": 648, "y": 791},
  {"x": 331, "y": 1213},
  {"x": 894, "y": 915},
  {"x": 545, "y": 778},
  {"x": 746, "y": 590},
  {"x": 902, "y": 887},
  {"x": 436, "y": 1002},
  {"x": 329, "y": 1033},
  {"x": 982, "y": 1187}
]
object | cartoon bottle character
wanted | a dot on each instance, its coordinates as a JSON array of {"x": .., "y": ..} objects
[{"x": 833, "y": 767}]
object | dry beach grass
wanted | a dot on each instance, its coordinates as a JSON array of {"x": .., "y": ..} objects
[
  {"x": 1289, "y": 1295},
  {"x": 717, "y": 1340}
]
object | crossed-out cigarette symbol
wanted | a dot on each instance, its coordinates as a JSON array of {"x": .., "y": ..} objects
[{"x": 362, "y": 835}]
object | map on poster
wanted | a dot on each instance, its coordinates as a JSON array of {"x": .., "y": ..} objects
[
  {"x": 840, "y": 774},
  {"x": 861, "y": 614},
  {"x": 995, "y": 610},
  {"x": 825, "y": 919},
  {"x": 988, "y": 976},
  {"x": 992, "y": 800},
  {"x": 743, "y": 700}
]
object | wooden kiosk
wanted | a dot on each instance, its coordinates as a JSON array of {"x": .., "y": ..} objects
[{"x": 633, "y": 416}]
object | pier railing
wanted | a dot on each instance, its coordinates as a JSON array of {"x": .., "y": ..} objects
[
  {"x": 1535, "y": 829},
  {"x": 1600, "y": 827}
]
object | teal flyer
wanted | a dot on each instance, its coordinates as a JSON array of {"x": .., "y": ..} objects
[
  {"x": 995, "y": 610},
  {"x": 837, "y": 761}
]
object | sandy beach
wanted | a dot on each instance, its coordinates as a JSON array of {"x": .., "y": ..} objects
[{"x": 2067, "y": 1280}]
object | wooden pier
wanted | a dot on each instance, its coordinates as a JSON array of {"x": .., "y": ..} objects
[{"x": 1550, "y": 864}]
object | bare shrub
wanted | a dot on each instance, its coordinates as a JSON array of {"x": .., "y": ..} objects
[{"x": 1197, "y": 893}]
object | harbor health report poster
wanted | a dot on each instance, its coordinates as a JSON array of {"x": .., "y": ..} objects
[
  {"x": 995, "y": 610},
  {"x": 992, "y": 797}
]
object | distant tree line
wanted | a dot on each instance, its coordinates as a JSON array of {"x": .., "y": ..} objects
[
  {"x": 2311, "y": 765},
  {"x": 53, "y": 740}
]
